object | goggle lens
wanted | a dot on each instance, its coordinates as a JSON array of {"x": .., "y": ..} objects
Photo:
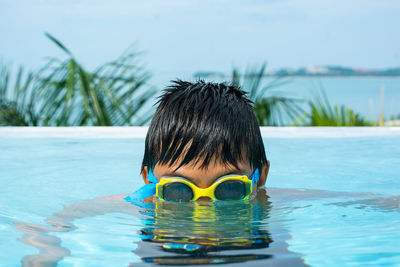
[
  {"x": 177, "y": 192},
  {"x": 230, "y": 190}
]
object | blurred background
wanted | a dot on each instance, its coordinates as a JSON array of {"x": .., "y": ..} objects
[{"x": 303, "y": 62}]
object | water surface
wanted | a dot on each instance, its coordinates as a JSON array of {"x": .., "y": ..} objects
[{"x": 328, "y": 202}]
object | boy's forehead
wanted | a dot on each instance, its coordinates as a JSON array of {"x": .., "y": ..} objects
[{"x": 205, "y": 176}]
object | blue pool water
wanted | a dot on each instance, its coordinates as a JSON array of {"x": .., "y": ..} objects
[{"x": 328, "y": 202}]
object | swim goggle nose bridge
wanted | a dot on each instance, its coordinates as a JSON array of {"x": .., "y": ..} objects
[{"x": 228, "y": 187}]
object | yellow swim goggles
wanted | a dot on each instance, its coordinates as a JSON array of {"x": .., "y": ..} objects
[{"x": 228, "y": 187}]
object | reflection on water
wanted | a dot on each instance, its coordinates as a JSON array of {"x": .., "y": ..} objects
[
  {"x": 168, "y": 232},
  {"x": 199, "y": 231},
  {"x": 207, "y": 233}
]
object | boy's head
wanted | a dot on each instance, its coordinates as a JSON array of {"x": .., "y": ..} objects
[{"x": 202, "y": 131}]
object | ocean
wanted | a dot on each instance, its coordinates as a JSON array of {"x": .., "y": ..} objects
[{"x": 361, "y": 94}]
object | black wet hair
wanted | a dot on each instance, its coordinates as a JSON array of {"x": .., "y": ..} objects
[{"x": 202, "y": 121}]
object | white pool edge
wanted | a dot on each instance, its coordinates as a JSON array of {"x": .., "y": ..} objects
[{"x": 140, "y": 132}]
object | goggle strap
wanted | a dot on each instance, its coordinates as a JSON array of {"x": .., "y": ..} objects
[
  {"x": 145, "y": 191},
  {"x": 255, "y": 176},
  {"x": 151, "y": 177}
]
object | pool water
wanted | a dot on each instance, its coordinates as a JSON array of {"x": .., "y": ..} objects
[{"x": 328, "y": 202}]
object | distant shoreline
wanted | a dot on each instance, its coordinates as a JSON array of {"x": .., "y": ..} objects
[
  {"x": 315, "y": 71},
  {"x": 337, "y": 76},
  {"x": 306, "y": 76}
]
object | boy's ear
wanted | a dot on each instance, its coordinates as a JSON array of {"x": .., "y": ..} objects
[
  {"x": 145, "y": 174},
  {"x": 263, "y": 174}
]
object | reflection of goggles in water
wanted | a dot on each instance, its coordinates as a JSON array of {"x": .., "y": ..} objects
[
  {"x": 194, "y": 227},
  {"x": 228, "y": 187}
]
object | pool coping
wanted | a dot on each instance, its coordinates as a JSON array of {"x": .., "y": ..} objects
[{"x": 140, "y": 132}]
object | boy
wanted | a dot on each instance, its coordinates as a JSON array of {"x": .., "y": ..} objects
[{"x": 203, "y": 136}]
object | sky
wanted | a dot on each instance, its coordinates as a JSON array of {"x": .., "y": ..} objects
[{"x": 180, "y": 37}]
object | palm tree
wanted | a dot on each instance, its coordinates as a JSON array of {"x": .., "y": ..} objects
[{"x": 270, "y": 107}]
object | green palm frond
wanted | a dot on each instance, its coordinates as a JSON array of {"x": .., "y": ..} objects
[
  {"x": 322, "y": 113},
  {"x": 64, "y": 93},
  {"x": 17, "y": 98},
  {"x": 270, "y": 107},
  {"x": 111, "y": 95}
]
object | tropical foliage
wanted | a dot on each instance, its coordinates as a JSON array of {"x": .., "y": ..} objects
[
  {"x": 17, "y": 98},
  {"x": 322, "y": 113},
  {"x": 270, "y": 107},
  {"x": 64, "y": 93}
]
